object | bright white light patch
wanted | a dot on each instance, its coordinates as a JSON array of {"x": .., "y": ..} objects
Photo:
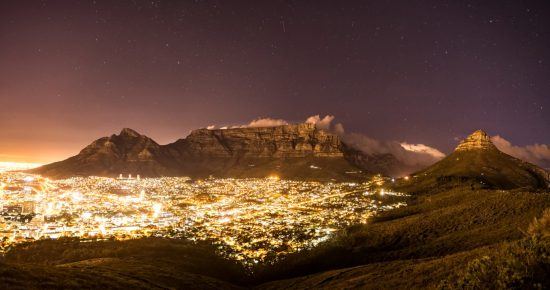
[
  {"x": 13, "y": 166},
  {"x": 421, "y": 148}
]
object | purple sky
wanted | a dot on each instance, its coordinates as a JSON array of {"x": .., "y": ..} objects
[{"x": 423, "y": 72}]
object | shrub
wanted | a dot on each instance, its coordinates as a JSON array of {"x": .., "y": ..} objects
[
  {"x": 524, "y": 264},
  {"x": 540, "y": 227}
]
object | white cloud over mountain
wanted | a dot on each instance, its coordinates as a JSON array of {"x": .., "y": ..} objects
[
  {"x": 410, "y": 154},
  {"x": 537, "y": 154},
  {"x": 266, "y": 122}
]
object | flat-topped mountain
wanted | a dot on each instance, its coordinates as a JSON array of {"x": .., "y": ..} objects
[
  {"x": 301, "y": 140},
  {"x": 477, "y": 161},
  {"x": 289, "y": 151}
]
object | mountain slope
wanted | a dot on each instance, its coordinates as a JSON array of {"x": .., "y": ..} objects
[
  {"x": 128, "y": 152},
  {"x": 438, "y": 237},
  {"x": 150, "y": 263},
  {"x": 290, "y": 151},
  {"x": 476, "y": 161}
]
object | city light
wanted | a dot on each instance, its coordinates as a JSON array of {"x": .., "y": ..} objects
[
  {"x": 10, "y": 166},
  {"x": 250, "y": 220}
]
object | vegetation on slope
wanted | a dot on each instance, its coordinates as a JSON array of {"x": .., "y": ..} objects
[
  {"x": 477, "y": 169},
  {"x": 144, "y": 263},
  {"x": 449, "y": 228},
  {"x": 524, "y": 264}
]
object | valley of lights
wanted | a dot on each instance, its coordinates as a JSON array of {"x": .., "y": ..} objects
[{"x": 250, "y": 220}]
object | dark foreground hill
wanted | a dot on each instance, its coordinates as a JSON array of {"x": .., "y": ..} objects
[
  {"x": 151, "y": 263},
  {"x": 434, "y": 240},
  {"x": 290, "y": 151}
]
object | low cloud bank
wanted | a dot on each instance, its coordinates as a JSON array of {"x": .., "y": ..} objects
[
  {"x": 414, "y": 155},
  {"x": 417, "y": 155},
  {"x": 421, "y": 148},
  {"x": 260, "y": 122},
  {"x": 538, "y": 154},
  {"x": 266, "y": 122}
]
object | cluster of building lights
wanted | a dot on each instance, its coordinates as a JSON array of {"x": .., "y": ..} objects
[{"x": 250, "y": 220}]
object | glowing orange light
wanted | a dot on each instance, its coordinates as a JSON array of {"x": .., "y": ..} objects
[{"x": 274, "y": 177}]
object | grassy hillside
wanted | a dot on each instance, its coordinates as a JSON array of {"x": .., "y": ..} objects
[
  {"x": 477, "y": 169},
  {"x": 447, "y": 228},
  {"x": 144, "y": 263},
  {"x": 522, "y": 264}
]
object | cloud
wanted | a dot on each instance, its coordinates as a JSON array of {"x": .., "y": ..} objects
[
  {"x": 266, "y": 122},
  {"x": 260, "y": 122},
  {"x": 537, "y": 154},
  {"x": 326, "y": 124},
  {"x": 339, "y": 129},
  {"x": 415, "y": 155},
  {"x": 421, "y": 148},
  {"x": 323, "y": 124}
]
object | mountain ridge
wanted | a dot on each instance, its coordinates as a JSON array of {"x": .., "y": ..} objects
[
  {"x": 290, "y": 151},
  {"x": 298, "y": 151}
]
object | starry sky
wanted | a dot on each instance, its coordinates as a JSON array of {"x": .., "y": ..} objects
[{"x": 425, "y": 72}]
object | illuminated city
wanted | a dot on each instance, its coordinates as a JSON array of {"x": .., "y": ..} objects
[
  {"x": 250, "y": 220},
  {"x": 7, "y": 166},
  {"x": 156, "y": 144}
]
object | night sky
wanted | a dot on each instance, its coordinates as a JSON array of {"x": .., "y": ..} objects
[{"x": 425, "y": 72}]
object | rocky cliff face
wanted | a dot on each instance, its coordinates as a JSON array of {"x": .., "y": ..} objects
[
  {"x": 289, "y": 141},
  {"x": 479, "y": 140},
  {"x": 290, "y": 151},
  {"x": 128, "y": 146}
]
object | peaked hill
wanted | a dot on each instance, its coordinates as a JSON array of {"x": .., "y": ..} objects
[
  {"x": 128, "y": 151},
  {"x": 478, "y": 162}
]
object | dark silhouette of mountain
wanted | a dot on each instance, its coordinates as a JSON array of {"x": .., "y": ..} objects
[
  {"x": 477, "y": 161},
  {"x": 128, "y": 151},
  {"x": 290, "y": 151}
]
